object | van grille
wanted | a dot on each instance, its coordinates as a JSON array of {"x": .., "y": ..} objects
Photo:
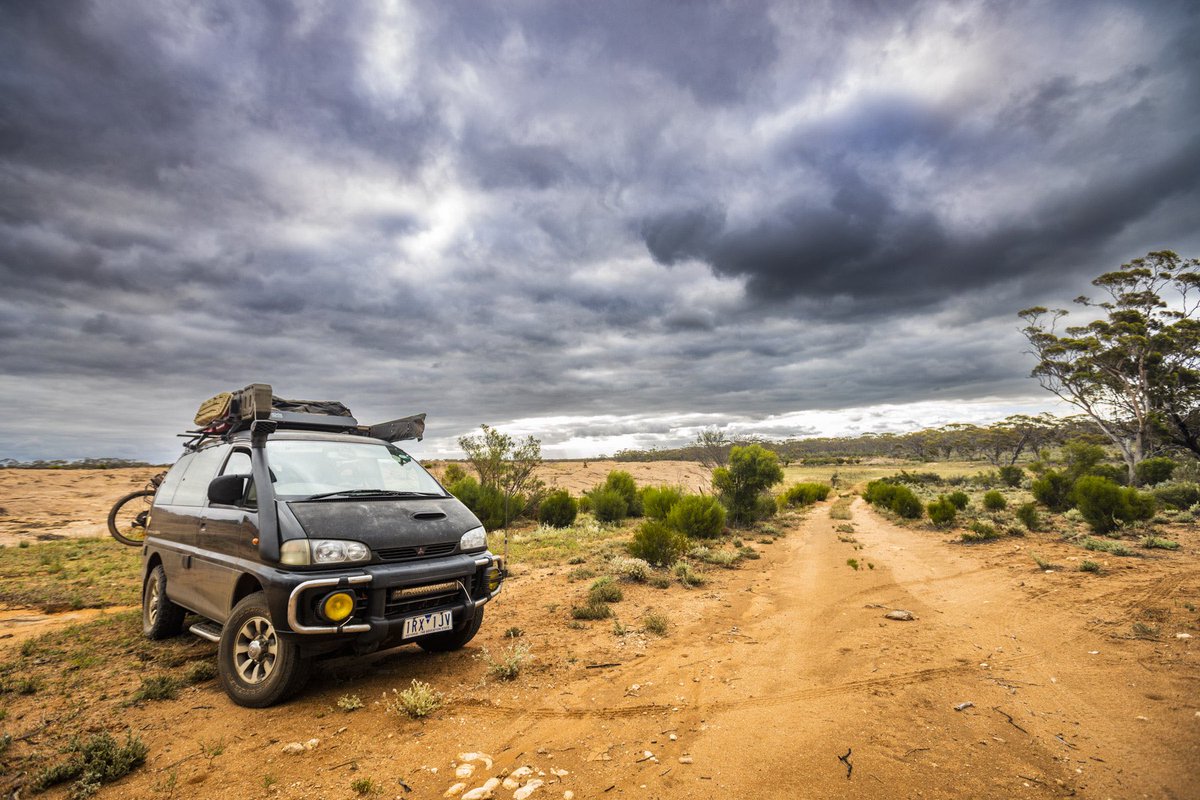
[{"x": 416, "y": 552}]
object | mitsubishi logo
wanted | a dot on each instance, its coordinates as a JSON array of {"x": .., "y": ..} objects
[{"x": 420, "y": 551}]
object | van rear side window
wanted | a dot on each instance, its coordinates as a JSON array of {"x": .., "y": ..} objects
[{"x": 193, "y": 489}]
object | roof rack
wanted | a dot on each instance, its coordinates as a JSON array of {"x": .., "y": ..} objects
[{"x": 228, "y": 413}]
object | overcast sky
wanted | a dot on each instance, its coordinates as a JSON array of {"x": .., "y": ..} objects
[{"x": 604, "y": 223}]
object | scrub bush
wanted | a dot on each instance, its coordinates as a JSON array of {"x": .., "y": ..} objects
[
  {"x": 803, "y": 494},
  {"x": 1028, "y": 514},
  {"x": 1053, "y": 490},
  {"x": 1154, "y": 471},
  {"x": 1011, "y": 475},
  {"x": 609, "y": 505},
  {"x": 623, "y": 484},
  {"x": 752, "y": 471},
  {"x": 1177, "y": 495},
  {"x": 1106, "y": 506},
  {"x": 657, "y": 501},
  {"x": 942, "y": 512},
  {"x": 994, "y": 501},
  {"x": 558, "y": 510},
  {"x": 658, "y": 543},
  {"x": 697, "y": 517},
  {"x": 960, "y": 500}
]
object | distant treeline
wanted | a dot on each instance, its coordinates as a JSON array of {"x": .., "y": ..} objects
[
  {"x": 82, "y": 463},
  {"x": 1002, "y": 443}
]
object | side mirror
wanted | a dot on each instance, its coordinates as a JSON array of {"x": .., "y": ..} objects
[{"x": 227, "y": 490}]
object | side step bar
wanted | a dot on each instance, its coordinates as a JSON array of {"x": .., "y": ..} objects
[{"x": 207, "y": 630}]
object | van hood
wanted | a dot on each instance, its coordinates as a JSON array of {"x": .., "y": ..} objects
[{"x": 382, "y": 523}]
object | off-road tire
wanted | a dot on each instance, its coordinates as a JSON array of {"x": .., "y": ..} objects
[
  {"x": 116, "y": 531},
  {"x": 452, "y": 640},
  {"x": 161, "y": 619},
  {"x": 258, "y": 667}
]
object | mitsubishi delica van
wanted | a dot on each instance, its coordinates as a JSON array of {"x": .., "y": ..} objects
[{"x": 296, "y": 533}]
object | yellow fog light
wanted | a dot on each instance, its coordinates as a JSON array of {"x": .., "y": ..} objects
[
  {"x": 337, "y": 606},
  {"x": 494, "y": 576}
]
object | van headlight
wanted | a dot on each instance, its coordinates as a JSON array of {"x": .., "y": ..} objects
[
  {"x": 304, "y": 552},
  {"x": 474, "y": 539}
]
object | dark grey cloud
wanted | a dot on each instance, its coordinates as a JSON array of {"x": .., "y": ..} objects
[{"x": 608, "y": 222}]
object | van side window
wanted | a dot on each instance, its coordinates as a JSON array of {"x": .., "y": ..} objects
[
  {"x": 166, "y": 490},
  {"x": 238, "y": 464},
  {"x": 193, "y": 489}
]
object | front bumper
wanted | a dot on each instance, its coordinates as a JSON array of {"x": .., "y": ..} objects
[{"x": 387, "y": 594}]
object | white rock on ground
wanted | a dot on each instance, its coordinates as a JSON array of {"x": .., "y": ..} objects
[
  {"x": 900, "y": 614},
  {"x": 568, "y": 795},
  {"x": 487, "y": 790},
  {"x": 516, "y": 776},
  {"x": 311, "y": 744},
  {"x": 484, "y": 757},
  {"x": 455, "y": 790},
  {"x": 528, "y": 789},
  {"x": 293, "y": 748},
  {"x": 464, "y": 770}
]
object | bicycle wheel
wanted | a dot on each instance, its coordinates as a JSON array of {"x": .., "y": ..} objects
[{"x": 127, "y": 520}]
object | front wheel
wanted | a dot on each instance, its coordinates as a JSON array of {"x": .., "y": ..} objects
[
  {"x": 128, "y": 518},
  {"x": 452, "y": 640},
  {"x": 258, "y": 668}
]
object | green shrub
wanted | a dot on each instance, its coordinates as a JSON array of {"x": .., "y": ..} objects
[
  {"x": 880, "y": 493},
  {"x": 764, "y": 507},
  {"x": 453, "y": 474},
  {"x": 591, "y": 611},
  {"x": 1011, "y": 475},
  {"x": 906, "y": 504},
  {"x": 609, "y": 505},
  {"x": 605, "y": 590},
  {"x": 622, "y": 482},
  {"x": 630, "y": 569},
  {"x": 980, "y": 531},
  {"x": 942, "y": 512},
  {"x": 803, "y": 494},
  {"x": 1156, "y": 543},
  {"x": 1082, "y": 458},
  {"x": 157, "y": 687},
  {"x": 657, "y": 501},
  {"x": 752, "y": 471},
  {"x": 487, "y": 502},
  {"x": 1088, "y": 566},
  {"x": 1105, "y": 506},
  {"x": 1177, "y": 495},
  {"x": 686, "y": 575},
  {"x": 1154, "y": 470},
  {"x": 994, "y": 501},
  {"x": 558, "y": 510},
  {"x": 658, "y": 543},
  {"x": 960, "y": 500},
  {"x": 93, "y": 762},
  {"x": 1028, "y": 514},
  {"x": 1105, "y": 546},
  {"x": 697, "y": 516},
  {"x": 1053, "y": 490}
]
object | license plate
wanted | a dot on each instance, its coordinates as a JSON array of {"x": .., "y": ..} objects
[{"x": 428, "y": 623}]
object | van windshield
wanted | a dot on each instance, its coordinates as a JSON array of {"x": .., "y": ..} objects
[{"x": 303, "y": 469}]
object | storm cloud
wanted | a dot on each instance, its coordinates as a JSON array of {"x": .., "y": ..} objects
[{"x": 607, "y": 224}]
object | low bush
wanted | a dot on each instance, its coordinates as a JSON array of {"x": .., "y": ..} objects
[
  {"x": 1154, "y": 470},
  {"x": 994, "y": 501},
  {"x": 508, "y": 666},
  {"x": 894, "y": 497},
  {"x": 1177, "y": 495},
  {"x": 487, "y": 502},
  {"x": 960, "y": 500},
  {"x": 419, "y": 700},
  {"x": 656, "y": 622},
  {"x": 1011, "y": 475},
  {"x": 630, "y": 569},
  {"x": 591, "y": 611},
  {"x": 93, "y": 762},
  {"x": 657, "y": 501},
  {"x": 942, "y": 512},
  {"x": 1106, "y": 506},
  {"x": 698, "y": 516},
  {"x": 558, "y": 510},
  {"x": 1027, "y": 513},
  {"x": 609, "y": 505},
  {"x": 803, "y": 494},
  {"x": 980, "y": 531},
  {"x": 453, "y": 474},
  {"x": 158, "y": 687},
  {"x": 1088, "y": 566},
  {"x": 658, "y": 543},
  {"x": 1105, "y": 546},
  {"x": 720, "y": 557},
  {"x": 605, "y": 590},
  {"x": 686, "y": 575},
  {"x": 1053, "y": 490},
  {"x": 1156, "y": 543}
]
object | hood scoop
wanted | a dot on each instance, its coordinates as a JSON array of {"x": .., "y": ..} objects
[{"x": 429, "y": 515}]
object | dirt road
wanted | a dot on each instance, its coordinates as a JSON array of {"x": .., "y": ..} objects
[{"x": 768, "y": 675}]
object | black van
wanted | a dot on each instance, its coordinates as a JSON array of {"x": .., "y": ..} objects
[{"x": 297, "y": 535}]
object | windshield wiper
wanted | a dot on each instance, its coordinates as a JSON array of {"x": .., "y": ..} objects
[{"x": 371, "y": 493}]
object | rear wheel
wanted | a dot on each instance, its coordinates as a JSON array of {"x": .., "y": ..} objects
[
  {"x": 452, "y": 640},
  {"x": 161, "y": 619},
  {"x": 128, "y": 518},
  {"x": 258, "y": 668}
]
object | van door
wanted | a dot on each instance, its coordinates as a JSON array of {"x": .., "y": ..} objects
[
  {"x": 186, "y": 508},
  {"x": 225, "y": 541}
]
